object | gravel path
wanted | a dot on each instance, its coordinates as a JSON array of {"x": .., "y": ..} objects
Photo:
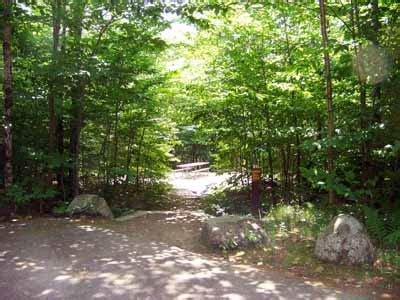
[
  {"x": 153, "y": 256},
  {"x": 67, "y": 259}
]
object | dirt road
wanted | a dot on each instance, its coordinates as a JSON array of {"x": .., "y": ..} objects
[
  {"x": 156, "y": 256},
  {"x": 67, "y": 259}
]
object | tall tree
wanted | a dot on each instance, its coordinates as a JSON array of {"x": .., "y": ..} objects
[
  {"x": 78, "y": 8},
  {"x": 355, "y": 31},
  {"x": 329, "y": 100},
  {"x": 56, "y": 7},
  {"x": 375, "y": 24},
  {"x": 8, "y": 93}
]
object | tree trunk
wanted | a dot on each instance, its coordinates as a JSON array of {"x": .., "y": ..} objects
[
  {"x": 8, "y": 97},
  {"x": 288, "y": 166},
  {"x": 298, "y": 156},
  {"x": 376, "y": 89},
  {"x": 75, "y": 142},
  {"x": 60, "y": 149},
  {"x": 365, "y": 144},
  {"x": 132, "y": 136},
  {"x": 60, "y": 109},
  {"x": 103, "y": 158},
  {"x": 116, "y": 124},
  {"x": 138, "y": 158},
  {"x": 78, "y": 11},
  {"x": 271, "y": 174},
  {"x": 56, "y": 6},
  {"x": 78, "y": 8},
  {"x": 329, "y": 100},
  {"x": 283, "y": 167}
]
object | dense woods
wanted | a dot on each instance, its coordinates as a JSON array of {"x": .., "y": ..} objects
[
  {"x": 83, "y": 97},
  {"x": 309, "y": 92},
  {"x": 97, "y": 99}
]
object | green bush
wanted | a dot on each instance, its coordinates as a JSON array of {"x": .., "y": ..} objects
[
  {"x": 307, "y": 219},
  {"x": 26, "y": 192},
  {"x": 232, "y": 200},
  {"x": 384, "y": 226},
  {"x": 121, "y": 211},
  {"x": 60, "y": 208}
]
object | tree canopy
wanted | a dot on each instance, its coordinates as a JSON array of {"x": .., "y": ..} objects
[{"x": 96, "y": 98}]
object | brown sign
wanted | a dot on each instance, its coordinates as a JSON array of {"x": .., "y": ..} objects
[{"x": 256, "y": 174}]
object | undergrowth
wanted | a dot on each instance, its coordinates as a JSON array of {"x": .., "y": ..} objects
[
  {"x": 307, "y": 221},
  {"x": 227, "y": 201},
  {"x": 296, "y": 227},
  {"x": 300, "y": 225},
  {"x": 384, "y": 226}
]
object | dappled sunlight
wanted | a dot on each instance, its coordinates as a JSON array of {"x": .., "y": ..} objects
[
  {"x": 100, "y": 263},
  {"x": 196, "y": 184},
  {"x": 180, "y": 217}
]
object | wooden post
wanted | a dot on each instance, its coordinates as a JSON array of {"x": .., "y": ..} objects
[{"x": 255, "y": 191}]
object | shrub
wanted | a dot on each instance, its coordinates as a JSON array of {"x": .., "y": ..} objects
[
  {"x": 307, "y": 219},
  {"x": 384, "y": 226}
]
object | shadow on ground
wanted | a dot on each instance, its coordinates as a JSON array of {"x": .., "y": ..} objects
[{"x": 65, "y": 259}]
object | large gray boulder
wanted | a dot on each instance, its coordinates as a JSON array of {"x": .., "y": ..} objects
[
  {"x": 345, "y": 241},
  {"x": 92, "y": 205},
  {"x": 230, "y": 232}
]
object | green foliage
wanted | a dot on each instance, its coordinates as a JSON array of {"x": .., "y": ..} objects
[
  {"x": 384, "y": 226},
  {"x": 18, "y": 195},
  {"x": 391, "y": 258},
  {"x": 244, "y": 87},
  {"x": 251, "y": 85},
  {"x": 393, "y": 238},
  {"x": 231, "y": 200},
  {"x": 228, "y": 245},
  {"x": 251, "y": 236},
  {"x": 216, "y": 203},
  {"x": 375, "y": 223},
  {"x": 307, "y": 220},
  {"x": 60, "y": 209},
  {"x": 23, "y": 193},
  {"x": 155, "y": 195},
  {"x": 105, "y": 84},
  {"x": 121, "y": 211},
  {"x": 293, "y": 231}
]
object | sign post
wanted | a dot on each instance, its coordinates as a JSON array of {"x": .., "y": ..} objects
[{"x": 255, "y": 191}]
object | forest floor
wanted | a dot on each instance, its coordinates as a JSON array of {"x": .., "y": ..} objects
[{"x": 154, "y": 256}]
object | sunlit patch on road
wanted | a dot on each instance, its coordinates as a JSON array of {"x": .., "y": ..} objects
[{"x": 196, "y": 184}]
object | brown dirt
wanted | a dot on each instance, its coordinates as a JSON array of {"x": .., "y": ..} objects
[
  {"x": 183, "y": 229},
  {"x": 82, "y": 259},
  {"x": 178, "y": 228},
  {"x": 45, "y": 248}
]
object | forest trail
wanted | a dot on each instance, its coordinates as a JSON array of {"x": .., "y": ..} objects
[
  {"x": 189, "y": 187},
  {"x": 154, "y": 256},
  {"x": 71, "y": 259}
]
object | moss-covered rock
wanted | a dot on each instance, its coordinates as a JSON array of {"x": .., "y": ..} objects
[{"x": 88, "y": 204}]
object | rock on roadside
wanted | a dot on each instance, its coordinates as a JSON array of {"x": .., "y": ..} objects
[
  {"x": 345, "y": 241},
  {"x": 231, "y": 232},
  {"x": 89, "y": 204}
]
